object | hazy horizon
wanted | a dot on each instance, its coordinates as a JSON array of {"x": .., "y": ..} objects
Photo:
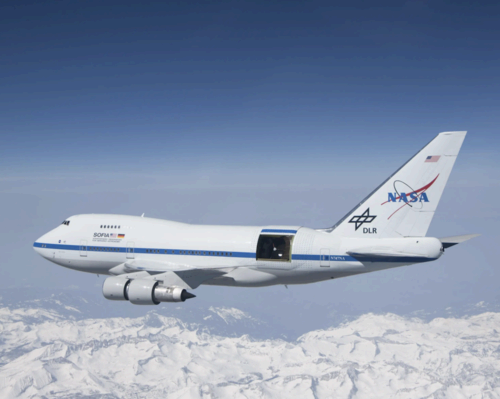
[{"x": 249, "y": 113}]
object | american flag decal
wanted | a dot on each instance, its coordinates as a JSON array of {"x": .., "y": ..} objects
[{"x": 432, "y": 158}]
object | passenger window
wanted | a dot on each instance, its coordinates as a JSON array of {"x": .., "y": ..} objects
[{"x": 275, "y": 247}]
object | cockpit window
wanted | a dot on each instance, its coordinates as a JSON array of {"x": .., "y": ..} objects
[{"x": 66, "y": 222}]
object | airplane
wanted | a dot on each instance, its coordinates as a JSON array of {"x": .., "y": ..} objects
[{"x": 150, "y": 261}]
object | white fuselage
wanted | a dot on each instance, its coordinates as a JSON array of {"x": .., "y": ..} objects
[{"x": 99, "y": 243}]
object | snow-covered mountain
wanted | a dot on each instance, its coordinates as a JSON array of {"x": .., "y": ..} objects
[
  {"x": 78, "y": 305},
  {"x": 46, "y": 354}
]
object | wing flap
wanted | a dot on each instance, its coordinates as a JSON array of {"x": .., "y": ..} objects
[{"x": 170, "y": 274}]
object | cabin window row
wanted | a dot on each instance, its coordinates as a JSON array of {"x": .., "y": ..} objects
[
  {"x": 104, "y": 249},
  {"x": 157, "y": 251},
  {"x": 206, "y": 253},
  {"x": 104, "y": 226}
]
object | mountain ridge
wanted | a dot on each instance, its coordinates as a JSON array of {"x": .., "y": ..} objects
[{"x": 45, "y": 354}]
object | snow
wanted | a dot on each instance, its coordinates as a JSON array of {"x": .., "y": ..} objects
[{"x": 46, "y": 354}]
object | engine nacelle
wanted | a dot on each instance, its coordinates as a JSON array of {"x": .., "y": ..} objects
[
  {"x": 142, "y": 291},
  {"x": 171, "y": 294},
  {"x": 116, "y": 288}
]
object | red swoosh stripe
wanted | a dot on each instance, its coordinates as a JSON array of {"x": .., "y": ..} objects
[
  {"x": 416, "y": 191},
  {"x": 420, "y": 190}
]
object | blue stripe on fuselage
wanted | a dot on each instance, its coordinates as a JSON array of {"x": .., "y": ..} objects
[
  {"x": 191, "y": 252},
  {"x": 279, "y": 231}
]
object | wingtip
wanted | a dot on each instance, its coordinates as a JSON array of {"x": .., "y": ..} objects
[
  {"x": 451, "y": 241},
  {"x": 457, "y": 133}
]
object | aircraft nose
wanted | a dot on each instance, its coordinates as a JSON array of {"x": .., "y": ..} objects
[
  {"x": 41, "y": 245},
  {"x": 36, "y": 248}
]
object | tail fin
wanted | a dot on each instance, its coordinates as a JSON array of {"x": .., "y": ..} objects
[{"x": 404, "y": 204}]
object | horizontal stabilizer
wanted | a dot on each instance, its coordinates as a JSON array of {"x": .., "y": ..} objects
[
  {"x": 381, "y": 254},
  {"x": 404, "y": 250},
  {"x": 450, "y": 241},
  {"x": 387, "y": 256}
]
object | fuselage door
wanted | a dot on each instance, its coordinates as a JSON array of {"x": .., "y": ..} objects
[
  {"x": 83, "y": 248},
  {"x": 324, "y": 257},
  {"x": 275, "y": 247},
  {"x": 130, "y": 250}
]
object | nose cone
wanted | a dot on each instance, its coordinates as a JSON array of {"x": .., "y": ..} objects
[
  {"x": 38, "y": 245},
  {"x": 42, "y": 245},
  {"x": 39, "y": 251}
]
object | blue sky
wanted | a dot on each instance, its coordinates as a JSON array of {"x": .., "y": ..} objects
[
  {"x": 240, "y": 112},
  {"x": 158, "y": 81}
]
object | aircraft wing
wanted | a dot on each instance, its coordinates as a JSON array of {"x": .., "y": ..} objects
[{"x": 171, "y": 274}]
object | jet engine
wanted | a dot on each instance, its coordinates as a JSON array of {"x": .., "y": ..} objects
[
  {"x": 116, "y": 288},
  {"x": 142, "y": 291}
]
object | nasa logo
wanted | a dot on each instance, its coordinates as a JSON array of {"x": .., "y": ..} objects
[
  {"x": 409, "y": 197},
  {"x": 403, "y": 197}
]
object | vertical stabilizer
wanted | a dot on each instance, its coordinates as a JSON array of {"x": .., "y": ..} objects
[{"x": 404, "y": 204}]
